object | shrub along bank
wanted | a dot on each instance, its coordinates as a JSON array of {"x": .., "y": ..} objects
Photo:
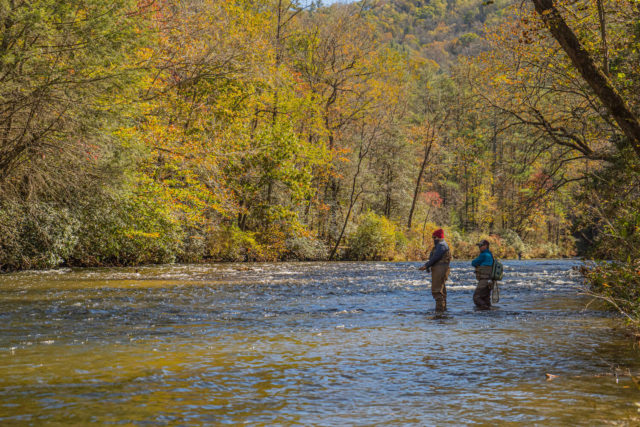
[
  {"x": 611, "y": 226},
  {"x": 131, "y": 231},
  {"x": 377, "y": 238},
  {"x": 617, "y": 284}
]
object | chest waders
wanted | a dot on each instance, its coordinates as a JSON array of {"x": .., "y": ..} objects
[
  {"x": 439, "y": 275},
  {"x": 482, "y": 294}
]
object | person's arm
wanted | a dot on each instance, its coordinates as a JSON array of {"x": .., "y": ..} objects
[
  {"x": 438, "y": 253},
  {"x": 478, "y": 261}
]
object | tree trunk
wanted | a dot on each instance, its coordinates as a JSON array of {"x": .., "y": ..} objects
[
  {"x": 352, "y": 201},
  {"x": 416, "y": 191},
  {"x": 603, "y": 33},
  {"x": 584, "y": 63}
]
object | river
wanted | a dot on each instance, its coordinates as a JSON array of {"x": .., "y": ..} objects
[{"x": 328, "y": 344}]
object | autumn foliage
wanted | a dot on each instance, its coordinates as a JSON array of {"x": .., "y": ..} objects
[{"x": 264, "y": 130}]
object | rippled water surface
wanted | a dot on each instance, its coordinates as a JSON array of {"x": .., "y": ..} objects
[{"x": 308, "y": 344}]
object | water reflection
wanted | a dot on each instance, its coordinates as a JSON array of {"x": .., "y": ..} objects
[{"x": 317, "y": 343}]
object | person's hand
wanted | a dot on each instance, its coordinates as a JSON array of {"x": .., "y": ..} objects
[{"x": 423, "y": 268}]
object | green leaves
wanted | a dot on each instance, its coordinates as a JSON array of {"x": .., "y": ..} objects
[{"x": 374, "y": 239}]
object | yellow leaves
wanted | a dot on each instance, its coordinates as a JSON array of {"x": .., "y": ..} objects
[
  {"x": 502, "y": 79},
  {"x": 135, "y": 233}
]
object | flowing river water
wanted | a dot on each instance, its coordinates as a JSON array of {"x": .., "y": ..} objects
[{"x": 308, "y": 344}]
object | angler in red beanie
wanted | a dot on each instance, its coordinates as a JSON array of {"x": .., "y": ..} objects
[{"x": 438, "y": 264}]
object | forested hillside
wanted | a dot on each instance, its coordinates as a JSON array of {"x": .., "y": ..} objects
[
  {"x": 150, "y": 132},
  {"x": 438, "y": 30}
]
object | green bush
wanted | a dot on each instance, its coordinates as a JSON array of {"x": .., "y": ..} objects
[
  {"x": 232, "y": 245},
  {"x": 618, "y": 284},
  {"x": 610, "y": 223},
  {"x": 374, "y": 239},
  {"x": 513, "y": 240},
  {"x": 35, "y": 235},
  {"x": 124, "y": 230},
  {"x": 544, "y": 250},
  {"x": 194, "y": 245},
  {"x": 305, "y": 248},
  {"x": 415, "y": 250},
  {"x": 129, "y": 230},
  {"x": 402, "y": 242}
]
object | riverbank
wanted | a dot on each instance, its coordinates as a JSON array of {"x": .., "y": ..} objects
[{"x": 51, "y": 238}]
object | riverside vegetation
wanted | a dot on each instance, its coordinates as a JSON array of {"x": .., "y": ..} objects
[{"x": 136, "y": 132}]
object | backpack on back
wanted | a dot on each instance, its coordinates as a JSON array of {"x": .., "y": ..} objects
[{"x": 497, "y": 270}]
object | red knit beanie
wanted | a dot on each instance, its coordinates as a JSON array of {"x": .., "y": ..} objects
[{"x": 439, "y": 233}]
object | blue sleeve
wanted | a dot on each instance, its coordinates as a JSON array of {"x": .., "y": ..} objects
[
  {"x": 437, "y": 255},
  {"x": 485, "y": 258},
  {"x": 476, "y": 262}
]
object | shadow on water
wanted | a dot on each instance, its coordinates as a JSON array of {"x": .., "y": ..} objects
[{"x": 308, "y": 343}]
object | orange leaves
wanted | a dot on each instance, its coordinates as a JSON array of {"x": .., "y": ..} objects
[{"x": 432, "y": 198}]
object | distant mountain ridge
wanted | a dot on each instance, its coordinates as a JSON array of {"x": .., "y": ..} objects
[{"x": 438, "y": 30}]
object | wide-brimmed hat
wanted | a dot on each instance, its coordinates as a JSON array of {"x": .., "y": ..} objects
[{"x": 482, "y": 243}]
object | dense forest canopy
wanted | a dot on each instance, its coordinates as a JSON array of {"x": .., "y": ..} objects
[{"x": 160, "y": 131}]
